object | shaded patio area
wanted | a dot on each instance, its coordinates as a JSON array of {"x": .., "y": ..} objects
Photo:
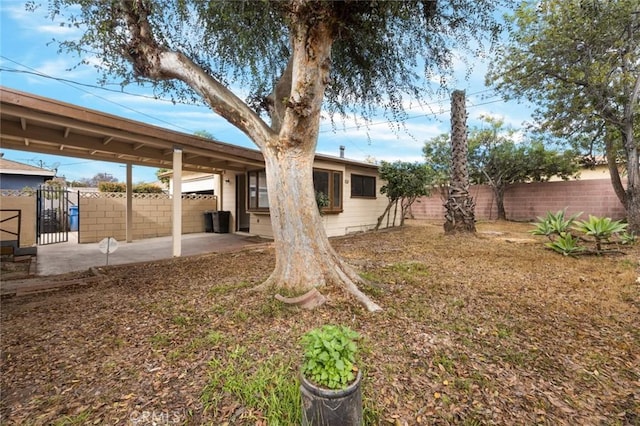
[{"x": 63, "y": 258}]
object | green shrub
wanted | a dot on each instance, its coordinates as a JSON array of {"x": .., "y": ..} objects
[
  {"x": 329, "y": 356},
  {"x": 112, "y": 187},
  {"x": 141, "y": 188},
  {"x": 147, "y": 188}
]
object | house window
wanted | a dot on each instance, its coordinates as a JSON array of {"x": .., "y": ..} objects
[
  {"x": 363, "y": 186},
  {"x": 329, "y": 182},
  {"x": 258, "y": 197}
]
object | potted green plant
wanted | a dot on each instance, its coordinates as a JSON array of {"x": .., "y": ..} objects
[
  {"x": 322, "y": 200},
  {"x": 330, "y": 380}
]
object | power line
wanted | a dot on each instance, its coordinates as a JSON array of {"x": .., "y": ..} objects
[
  {"x": 435, "y": 114},
  {"x": 74, "y": 84},
  {"x": 79, "y": 86}
]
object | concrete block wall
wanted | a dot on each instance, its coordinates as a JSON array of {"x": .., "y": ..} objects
[
  {"x": 526, "y": 201},
  {"x": 104, "y": 215},
  {"x": 26, "y": 203}
]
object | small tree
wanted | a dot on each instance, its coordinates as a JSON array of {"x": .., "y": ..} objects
[
  {"x": 405, "y": 183},
  {"x": 498, "y": 161},
  {"x": 159, "y": 174}
]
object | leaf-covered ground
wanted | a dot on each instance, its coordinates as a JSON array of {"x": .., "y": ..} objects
[{"x": 492, "y": 329}]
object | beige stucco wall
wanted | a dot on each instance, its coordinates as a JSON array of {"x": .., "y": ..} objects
[
  {"x": 27, "y": 206},
  {"x": 359, "y": 214},
  {"x": 104, "y": 215}
]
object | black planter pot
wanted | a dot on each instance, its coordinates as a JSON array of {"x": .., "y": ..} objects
[{"x": 325, "y": 407}]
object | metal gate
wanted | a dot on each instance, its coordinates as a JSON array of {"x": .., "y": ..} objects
[{"x": 52, "y": 215}]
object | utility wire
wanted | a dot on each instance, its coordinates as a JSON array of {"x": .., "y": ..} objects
[
  {"x": 79, "y": 86},
  {"x": 74, "y": 84}
]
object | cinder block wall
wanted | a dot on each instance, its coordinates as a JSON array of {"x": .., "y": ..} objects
[
  {"x": 26, "y": 203},
  {"x": 526, "y": 201},
  {"x": 104, "y": 215}
]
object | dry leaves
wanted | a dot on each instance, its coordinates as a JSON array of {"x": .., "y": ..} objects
[{"x": 478, "y": 330}]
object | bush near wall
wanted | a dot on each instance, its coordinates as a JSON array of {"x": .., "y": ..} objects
[{"x": 141, "y": 188}]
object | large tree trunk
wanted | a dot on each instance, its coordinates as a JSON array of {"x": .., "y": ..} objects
[
  {"x": 304, "y": 257},
  {"x": 460, "y": 216}
]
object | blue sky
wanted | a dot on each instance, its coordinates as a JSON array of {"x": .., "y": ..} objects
[{"x": 26, "y": 51}]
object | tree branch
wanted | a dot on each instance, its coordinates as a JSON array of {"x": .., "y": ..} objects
[{"x": 151, "y": 60}]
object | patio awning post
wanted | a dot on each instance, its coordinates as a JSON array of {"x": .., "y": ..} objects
[
  {"x": 129, "y": 216},
  {"x": 177, "y": 202}
]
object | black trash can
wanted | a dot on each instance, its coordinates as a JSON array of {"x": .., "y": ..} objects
[
  {"x": 208, "y": 221},
  {"x": 221, "y": 221}
]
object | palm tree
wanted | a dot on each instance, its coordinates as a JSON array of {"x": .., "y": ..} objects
[{"x": 460, "y": 215}]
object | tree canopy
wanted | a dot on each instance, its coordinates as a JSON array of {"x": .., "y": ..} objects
[
  {"x": 382, "y": 54},
  {"x": 578, "y": 61},
  {"x": 94, "y": 181}
]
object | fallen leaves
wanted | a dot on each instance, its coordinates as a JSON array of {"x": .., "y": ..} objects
[{"x": 475, "y": 331}]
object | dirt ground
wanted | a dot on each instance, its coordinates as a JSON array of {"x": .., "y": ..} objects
[{"x": 492, "y": 329}]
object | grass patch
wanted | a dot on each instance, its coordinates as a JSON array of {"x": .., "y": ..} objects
[
  {"x": 444, "y": 363},
  {"x": 181, "y": 320},
  {"x": 160, "y": 340},
  {"x": 78, "y": 419},
  {"x": 267, "y": 390}
]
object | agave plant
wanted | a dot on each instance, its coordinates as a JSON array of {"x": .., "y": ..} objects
[
  {"x": 628, "y": 238},
  {"x": 600, "y": 228},
  {"x": 554, "y": 224},
  {"x": 566, "y": 244}
]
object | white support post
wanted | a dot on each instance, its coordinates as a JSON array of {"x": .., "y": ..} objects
[
  {"x": 129, "y": 215},
  {"x": 177, "y": 202}
]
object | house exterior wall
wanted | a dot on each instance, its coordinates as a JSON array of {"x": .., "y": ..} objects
[
  {"x": 103, "y": 215},
  {"x": 260, "y": 225},
  {"x": 527, "y": 201},
  {"x": 26, "y": 203},
  {"x": 18, "y": 182},
  {"x": 358, "y": 214}
]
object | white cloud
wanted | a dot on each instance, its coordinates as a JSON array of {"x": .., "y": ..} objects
[
  {"x": 56, "y": 30},
  {"x": 15, "y": 11}
]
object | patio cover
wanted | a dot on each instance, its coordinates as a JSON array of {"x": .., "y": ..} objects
[{"x": 37, "y": 124}]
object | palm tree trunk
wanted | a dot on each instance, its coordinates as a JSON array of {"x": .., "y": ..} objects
[{"x": 460, "y": 215}]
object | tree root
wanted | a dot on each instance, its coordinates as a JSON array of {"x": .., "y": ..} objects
[
  {"x": 309, "y": 300},
  {"x": 347, "y": 278},
  {"x": 341, "y": 274}
]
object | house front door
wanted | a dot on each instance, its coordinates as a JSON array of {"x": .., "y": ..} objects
[{"x": 242, "y": 216}]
